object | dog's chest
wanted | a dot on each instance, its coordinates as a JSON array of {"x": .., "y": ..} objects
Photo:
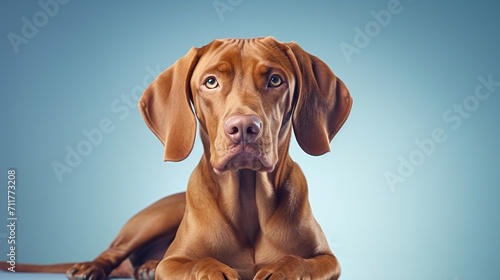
[
  {"x": 249, "y": 259},
  {"x": 249, "y": 216}
]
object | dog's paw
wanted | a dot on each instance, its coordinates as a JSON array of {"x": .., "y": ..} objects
[
  {"x": 289, "y": 267},
  {"x": 86, "y": 271},
  {"x": 147, "y": 270},
  {"x": 212, "y": 269}
]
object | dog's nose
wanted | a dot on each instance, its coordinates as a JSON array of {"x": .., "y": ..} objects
[{"x": 243, "y": 128}]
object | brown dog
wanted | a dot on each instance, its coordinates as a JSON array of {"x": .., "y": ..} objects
[{"x": 245, "y": 214}]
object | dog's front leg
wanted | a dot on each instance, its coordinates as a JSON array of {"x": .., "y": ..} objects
[
  {"x": 206, "y": 268},
  {"x": 293, "y": 267}
]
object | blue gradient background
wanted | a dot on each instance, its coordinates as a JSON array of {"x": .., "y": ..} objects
[{"x": 442, "y": 222}]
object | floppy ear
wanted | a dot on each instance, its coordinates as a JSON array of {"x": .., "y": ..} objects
[
  {"x": 322, "y": 102},
  {"x": 166, "y": 109}
]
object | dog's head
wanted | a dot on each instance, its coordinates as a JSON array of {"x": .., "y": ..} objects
[{"x": 246, "y": 93}]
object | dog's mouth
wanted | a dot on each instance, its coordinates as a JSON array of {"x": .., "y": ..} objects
[{"x": 244, "y": 157}]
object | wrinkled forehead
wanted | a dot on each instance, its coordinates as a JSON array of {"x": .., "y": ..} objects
[{"x": 226, "y": 55}]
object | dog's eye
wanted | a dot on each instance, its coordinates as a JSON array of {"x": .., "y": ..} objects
[
  {"x": 275, "y": 81},
  {"x": 211, "y": 83}
]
